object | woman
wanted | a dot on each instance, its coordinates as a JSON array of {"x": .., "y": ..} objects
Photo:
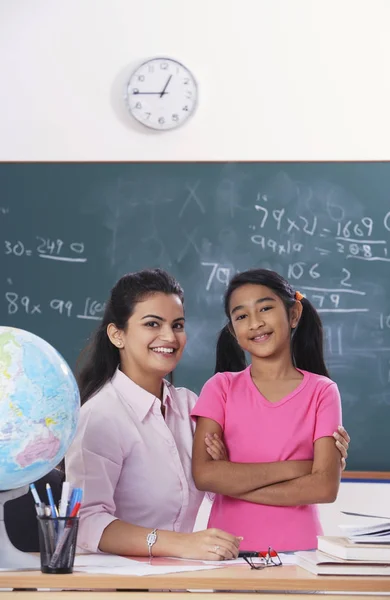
[{"x": 132, "y": 450}]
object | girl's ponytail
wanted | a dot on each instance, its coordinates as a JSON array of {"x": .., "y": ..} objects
[
  {"x": 229, "y": 355},
  {"x": 307, "y": 341}
]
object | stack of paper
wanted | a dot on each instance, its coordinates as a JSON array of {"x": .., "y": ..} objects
[{"x": 367, "y": 528}]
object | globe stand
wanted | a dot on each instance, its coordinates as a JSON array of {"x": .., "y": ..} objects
[{"x": 10, "y": 557}]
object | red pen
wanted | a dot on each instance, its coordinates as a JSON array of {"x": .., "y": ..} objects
[{"x": 75, "y": 510}]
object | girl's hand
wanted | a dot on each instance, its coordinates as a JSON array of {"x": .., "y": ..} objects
[
  {"x": 210, "y": 544},
  {"x": 342, "y": 444},
  {"x": 215, "y": 447}
]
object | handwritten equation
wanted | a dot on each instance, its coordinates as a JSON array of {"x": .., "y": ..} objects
[
  {"x": 51, "y": 249},
  {"x": 90, "y": 309}
]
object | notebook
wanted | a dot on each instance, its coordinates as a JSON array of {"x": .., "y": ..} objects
[{"x": 319, "y": 563}]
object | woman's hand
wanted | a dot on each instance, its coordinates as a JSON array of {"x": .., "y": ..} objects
[
  {"x": 215, "y": 447},
  {"x": 342, "y": 444},
  {"x": 210, "y": 544}
]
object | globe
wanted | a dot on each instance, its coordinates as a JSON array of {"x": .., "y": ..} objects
[{"x": 39, "y": 407}]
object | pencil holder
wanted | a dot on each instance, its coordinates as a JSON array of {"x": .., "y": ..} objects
[{"x": 57, "y": 543}]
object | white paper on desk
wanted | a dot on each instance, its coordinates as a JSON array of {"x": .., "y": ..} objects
[
  {"x": 287, "y": 559},
  {"x": 103, "y": 560},
  {"x": 140, "y": 569}
]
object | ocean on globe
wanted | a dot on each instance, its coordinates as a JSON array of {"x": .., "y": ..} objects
[{"x": 39, "y": 407}]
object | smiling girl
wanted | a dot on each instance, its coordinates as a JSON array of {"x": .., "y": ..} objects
[{"x": 276, "y": 417}]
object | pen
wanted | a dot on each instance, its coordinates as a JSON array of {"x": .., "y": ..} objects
[
  {"x": 35, "y": 494},
  {"x": 64, "y": 498},
  {"x": 53, "y": 507},
  {"x": 253, "y": 554}
]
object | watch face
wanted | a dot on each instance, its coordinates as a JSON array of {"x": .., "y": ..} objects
[
  {"x": 151, "y": 538},
  {"x": 161, "y": 94}
]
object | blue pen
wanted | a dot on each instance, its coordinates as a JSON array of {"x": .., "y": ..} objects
[
  {"x": 75, "y": 497},
  {"x": 71, "y": 502},
  {"x": 53, "y": 507},
  {"x": 34, "y": 492}
]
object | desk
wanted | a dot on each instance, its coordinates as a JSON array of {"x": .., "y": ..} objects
[
  {"x": 235, "y": 578},
  {"x": 168, "y": 596}
]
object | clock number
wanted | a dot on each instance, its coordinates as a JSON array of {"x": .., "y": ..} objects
[
  {"x": 186, "y": 108},
  {"x": 138, "y": 105},
  {"x": 147, "y": 115},
  {"x": 135, "y": 91},
  {"x": 164, "y": 66},
  {"x": 186, "y": 81},
  {"x": 161, "y": 120},
  {"x": 141, "y": 77},
  {"x": 175, "y": 117}
]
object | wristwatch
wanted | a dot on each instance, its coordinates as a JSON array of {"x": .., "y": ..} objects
[{"x": 151, "y": 539}]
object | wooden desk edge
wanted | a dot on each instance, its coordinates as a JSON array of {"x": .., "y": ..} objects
[
  {"x": 288, "y": 578},
  {"x": 371, "y": 476}
]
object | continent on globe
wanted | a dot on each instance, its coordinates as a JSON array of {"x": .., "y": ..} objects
[{"x": 43, "y": 447}]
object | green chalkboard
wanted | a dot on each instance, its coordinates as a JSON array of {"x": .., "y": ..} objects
[{"x": 69, "y": 231}]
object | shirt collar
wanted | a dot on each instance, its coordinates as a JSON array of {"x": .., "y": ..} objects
[{"x": 139, "y": 399}]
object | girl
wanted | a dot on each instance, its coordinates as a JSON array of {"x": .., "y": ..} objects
[
  {"x": 276, "y": 417},
  {"x": 132, "y": 450}
]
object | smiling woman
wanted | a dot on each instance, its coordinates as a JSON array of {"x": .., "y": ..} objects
[{"x": 132, "y": 450}]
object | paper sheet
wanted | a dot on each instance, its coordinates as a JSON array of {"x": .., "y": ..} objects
[
  {"x": 119, "y": 565},
  {"x": 140, "y": 569}
]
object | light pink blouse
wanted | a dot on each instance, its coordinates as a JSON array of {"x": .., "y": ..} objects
[{"x": 131, "y": 463}]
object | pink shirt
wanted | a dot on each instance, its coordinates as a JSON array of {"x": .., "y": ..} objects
[
  {"x": 256, "y": 430},
  {"x": 131, "y": 463}
]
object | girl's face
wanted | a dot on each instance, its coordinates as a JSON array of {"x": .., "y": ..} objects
[
  {"x": 260, "y": 321},
  {"x": 154, "y": 338}
]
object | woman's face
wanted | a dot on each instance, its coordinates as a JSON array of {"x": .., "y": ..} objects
[{"x": 154, "y": 338}]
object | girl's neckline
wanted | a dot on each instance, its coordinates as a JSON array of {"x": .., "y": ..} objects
[{"x": 283, "y": 400}]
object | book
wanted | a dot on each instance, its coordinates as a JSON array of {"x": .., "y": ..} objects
[
  {"x": 319, "y": 563},
  {"x": 367, "y": 529},
  {"x": 342, "y": 548}
]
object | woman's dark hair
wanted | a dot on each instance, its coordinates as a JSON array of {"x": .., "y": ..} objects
[
  {"x": 99, "y": 360},
  {"x": 307, "y": 339}
]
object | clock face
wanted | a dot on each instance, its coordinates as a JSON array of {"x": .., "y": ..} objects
[{"x": 162, "y": 94}]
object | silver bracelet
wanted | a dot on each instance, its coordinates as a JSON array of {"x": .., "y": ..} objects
[{"x": 151, "y": 539}]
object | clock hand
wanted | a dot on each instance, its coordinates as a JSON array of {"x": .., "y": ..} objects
[
  {"x": 148, "y": 93},
  {"x": 166, "y": 85}
]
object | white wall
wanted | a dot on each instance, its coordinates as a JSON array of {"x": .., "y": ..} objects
[{"x": 279, "y": 79}]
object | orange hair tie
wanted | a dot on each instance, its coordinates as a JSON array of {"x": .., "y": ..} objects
[{"x": 299, "y": 296}]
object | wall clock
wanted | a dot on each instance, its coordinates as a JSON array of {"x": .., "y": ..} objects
[{"x": 162, "y": 94}]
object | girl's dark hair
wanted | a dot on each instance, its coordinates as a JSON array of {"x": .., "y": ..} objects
[
  {"x": 99, "y": 360},
  {"x": 307, "y": 339}
]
